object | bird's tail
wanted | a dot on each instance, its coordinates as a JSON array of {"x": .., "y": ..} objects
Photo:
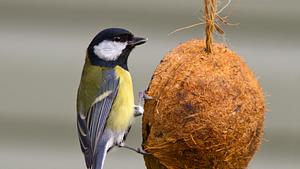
[{"x": 102, "y": 148}]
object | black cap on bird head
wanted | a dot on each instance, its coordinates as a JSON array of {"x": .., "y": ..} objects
[{"x": 112, "y": 46}]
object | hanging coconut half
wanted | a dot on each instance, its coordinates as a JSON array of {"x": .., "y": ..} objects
[{"x": 207, "y": 110}]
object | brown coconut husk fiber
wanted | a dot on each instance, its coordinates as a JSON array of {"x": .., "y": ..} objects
[{"x": 207, "y": 110}]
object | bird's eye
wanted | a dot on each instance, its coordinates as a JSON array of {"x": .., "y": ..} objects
[{"x": 117, "y": 39}]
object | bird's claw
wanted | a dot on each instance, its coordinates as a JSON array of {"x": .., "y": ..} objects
[
  {"x": 142, "y": 151},
  {"x": 144, "y": 96},
  {"x": 137, "y": 150},
  {"x": 139, "y": 109}
]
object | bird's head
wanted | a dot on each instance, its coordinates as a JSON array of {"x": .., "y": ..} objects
[{"x": 112, "y": 46}]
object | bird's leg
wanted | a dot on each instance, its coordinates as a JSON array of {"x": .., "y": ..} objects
[
  {"x": 138, "y": 111},
  {"x": 139, "y": 108},
  {"x": 137, "y": 150}
]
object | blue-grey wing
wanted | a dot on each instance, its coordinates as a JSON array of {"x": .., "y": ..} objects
[
  {"x": 91, "y": 127},
  {"x": 84, "y": 138}
]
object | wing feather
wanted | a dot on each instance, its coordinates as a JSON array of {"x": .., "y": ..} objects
[
  {"x": 84, "y": 139},
  {"x": 90, "y": 128}
]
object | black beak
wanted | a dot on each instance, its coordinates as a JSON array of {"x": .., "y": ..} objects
[{"x": 137, "y": 41}]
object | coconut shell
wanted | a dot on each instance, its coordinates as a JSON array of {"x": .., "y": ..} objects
[{"x": 207, "y": 110}]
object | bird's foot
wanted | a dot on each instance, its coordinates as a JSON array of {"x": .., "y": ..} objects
[
  {"x": 144, "y": 96},
  {"x": 137, "y": 150},
  {"x": 140, "y": 150},
  {"x": 139, "y": 108}
]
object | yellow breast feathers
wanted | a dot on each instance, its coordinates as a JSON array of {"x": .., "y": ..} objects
[{"x": 122, "y": 111}]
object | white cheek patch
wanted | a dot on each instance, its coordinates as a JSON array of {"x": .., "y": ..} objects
[{"x": 109, "y": 50}]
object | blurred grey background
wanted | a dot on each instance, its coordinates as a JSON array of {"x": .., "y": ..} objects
[{"x": 42, "y": 49}]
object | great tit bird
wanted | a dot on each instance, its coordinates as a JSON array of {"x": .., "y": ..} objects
[{"x": 105, "y": 98}]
